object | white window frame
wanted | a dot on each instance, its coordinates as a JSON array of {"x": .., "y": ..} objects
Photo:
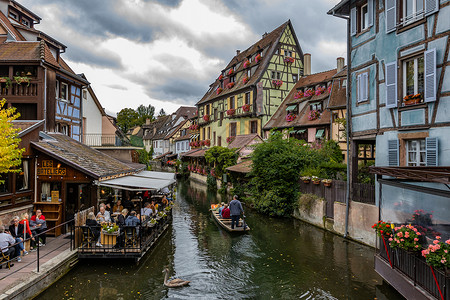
[
  {"x": 418, "y": 151},
  {"x": 416, "y": 15},
  {"x": 276, "y": 75},
  {"x": 67, "y": 92},
  {"x": 57, "y": 89},
  {"x": 364, "y": 21},
  {"x": 416, "y": 74}
]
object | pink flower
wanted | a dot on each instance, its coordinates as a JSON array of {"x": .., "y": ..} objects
[
  {"x": 416, "y": 239},
  {"x": 417, "y": 246},
  {"x": 398, "y": 242},
  {"x": 443, "y": 260},
  {"x": 446, "y": 251},
  {"x": 435, "y": 242},
  {"x": 447, "y": 242},
  {"x": 402, "y": 240},
  {"x": 390, "y": 239},
  {"x": 438, "y": 237},
  {"x": 418, "y": 233}
]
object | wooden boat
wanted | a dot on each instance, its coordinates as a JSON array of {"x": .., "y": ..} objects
[{"x": 226, "y": 223}]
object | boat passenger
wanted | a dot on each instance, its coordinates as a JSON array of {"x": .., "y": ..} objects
[
  {"x": 221, "y": 208},
  {"x": 164, "y": 201},
  {"x": 225, "y": 212},
  {"x": 235, "y": 211},
  {"x": 95, "y": 227}
]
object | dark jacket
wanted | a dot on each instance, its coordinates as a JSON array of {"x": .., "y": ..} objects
[
  {"x": 94, "y": 226},
  {"x": 121, "y": 220},
  {"x": 235, "y": 207},
  {"x": 12, "y": 230}
]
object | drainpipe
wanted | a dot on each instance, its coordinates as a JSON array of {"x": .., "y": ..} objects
[{"x": 45, "y": 96}]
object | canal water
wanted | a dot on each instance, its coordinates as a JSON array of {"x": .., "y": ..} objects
[{"x": 278, "y": 259}]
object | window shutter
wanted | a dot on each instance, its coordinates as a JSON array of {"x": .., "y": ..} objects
[
  {"x": 393, "y": 153},
  {"x": 430, "y": 75},
  {"x": 431, "y": 6},
  {"x": 432, "y": 151},
  {"x": 391, "y": 85},
  {"x": 370, "y": 15},
  {"x": 358, "y": 88},
  {"x": 353, "y": 21},
  {"x": 365, "y": 87},
  {"x": 390, "y": 15}
]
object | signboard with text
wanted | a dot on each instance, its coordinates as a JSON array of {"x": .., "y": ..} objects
[{"x": 47, "y": 169}]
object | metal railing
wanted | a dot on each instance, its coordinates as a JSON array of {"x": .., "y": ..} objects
[{"x": 98, "y": 140}]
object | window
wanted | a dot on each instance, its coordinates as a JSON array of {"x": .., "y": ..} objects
[
  {"x": 63, "y": 128},
  {"x": 207, "y": 109},
  {"x": 64, "y": 91},
  {"x": 416, "y": 153},
  {"x": 294, "y": 77},
  {"x": 253, "y": 126},
  {"x": 178, "y": 147},
  {"x": 287, "y": 53},
  {"x": 216, "y": 113},
  {"x": 233, "y": 78},
  {"x": 25, "y": 22},
  {"x": 363, "y": 17},
  {"x": 14, "y": 16},
  {"x": 221, "y": 118},
  {"x": 276, "y": 75},
  {"x": 362, "y": 87},
  {"x": 209, "y": 133},
  {"x": 232, "y": 106},
  {"x": 316, "y": 106},
  {"x": 232, "y": 129},
  {"x": 84, "y": 94},
  {"x": 413, "y": 77},
  {"x": 412, "y": 10},
  {"x": 247, "y": 98},
  {"x": 249, "y": 72},
  {"x": 219, "y": 141}
]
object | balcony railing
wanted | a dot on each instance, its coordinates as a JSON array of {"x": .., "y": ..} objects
[
  {"x": 103, "y": 140},
  {"x": 22, "y": 90}
]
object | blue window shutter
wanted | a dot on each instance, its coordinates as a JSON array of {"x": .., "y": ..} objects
[
  {"x": 391, "y": 84},
  {"x": 430, "y": 75},
  {"x": 431, "y": 6},
  {"x": 390, "y": 11},
  {"x": 432, "y": 151},
  {"x": 365, "y": 87},
  {"x": 370, "y": 4},
  {"x": 358, "y": 88},
  {"x": 353, "y": 21},
  {"x": 393, "y": 153}
]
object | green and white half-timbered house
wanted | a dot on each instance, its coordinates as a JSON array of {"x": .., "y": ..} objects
[{"x": 250, "y": 88}]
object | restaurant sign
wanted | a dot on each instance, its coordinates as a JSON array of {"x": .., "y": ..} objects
[{"x": 48, "y": 169}]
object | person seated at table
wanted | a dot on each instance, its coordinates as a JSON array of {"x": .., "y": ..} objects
[
  {"x": 6, "y": 240},
  {"x": 16, "y": 230},
  {"x": 164, "y": 201},
  {"x": 122, "y": 217},
  {"x": 118, "y": 206},
  {"x": 94, "y": 226},
  {"x": 103, "y": 215},
  {"x": 40, "y": 226},
  {"x": 226, "y": 212},
  {"x": 27, "y": 231},
  {"x": 147, "y": 210},
  {"x": 128, "y": 204},
  {"x": 132, "y": 219}
]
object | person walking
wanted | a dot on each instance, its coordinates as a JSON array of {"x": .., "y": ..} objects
[{"x": 235, "y": 211}]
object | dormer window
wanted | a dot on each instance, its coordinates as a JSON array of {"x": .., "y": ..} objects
[
  {"x": 287, "y": 53},
  {"x": 14, "y": 16},
  {"x": 317, "y": 106},
  {"x": 25, "y": 22},
  {"x": 233, "y": 78}
]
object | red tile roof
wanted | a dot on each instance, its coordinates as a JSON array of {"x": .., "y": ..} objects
[
  {"x": 243, "y": 140},
  {"x": 242, "y": 167},
  {"x": 26, "y": 51}
]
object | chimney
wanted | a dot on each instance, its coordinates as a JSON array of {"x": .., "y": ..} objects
[
  {"x": 238, "y": 52},
  {"x": 340, "y": 64},
  {"x": 306, "y": 64},
  {"x": 264, "y": 35}
]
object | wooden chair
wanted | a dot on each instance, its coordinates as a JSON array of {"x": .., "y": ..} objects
[
  {"x": 88, "y": 236},
  {"x": 130, "y": 236},
  {"x": 4, "y": 259}
]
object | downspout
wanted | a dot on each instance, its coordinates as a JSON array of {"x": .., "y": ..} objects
[{"x": 45, "y": 96}]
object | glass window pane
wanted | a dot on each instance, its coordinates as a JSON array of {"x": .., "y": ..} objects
[
  {"x": 409, "y": 80},
  {"x": 419, "y": 7},
  {"x": 420, "y": 71},
  {"x": 409, "y": 9}
]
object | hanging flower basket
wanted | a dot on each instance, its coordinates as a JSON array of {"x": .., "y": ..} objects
[
  {"x": 298, "y": 95},
  {"x": 289, "y": 60},
  {"x": 315, "y": 180},
  {"x": 290, "y": 117},
  {"x": 246, "y": 107},
  {"x": 230, "y": 85},
  {"x": 22, "y": 79},
  {"x": 231, "y": 112},
  {"x": 309, "y": 93},
  {"x": 319, "y": 91},
  {"x": 206, "y": 118},
  {"x": 277, "y": 83},
  {"x": 6, "y": 80},
  {"x": 246, "y": 64},
  {"x": 219, "y": 90},
  {"x": 258, "y": 57},
  {"x": 306, "y": 179},
  {"x": 313, "y": 115},
  {"x": 245, "y": 80},
  {"x": 230, "y": 139},
  {"x": 220, "y": 77},
  {"x": 327, "y": 182},
  {"x": 230, "y": 72}
]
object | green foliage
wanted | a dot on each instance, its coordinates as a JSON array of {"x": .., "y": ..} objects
[
  {"x": 136, "y": 141},
  {"x": 162, "y": 112},
  {"x": 144, "y": 113},
  {"x": 211, "y": 182},
  {"x": 333, "y": 170},
  {"x": 332, "y": 150},
  {"x": 144, "y": 156},
  {"x": 220, "y": 158},
  {"x": 364, "y": 176},
  {"x": 126, "y": 119},
  {"x": 184, "y": 172},
  {"x": 306, "y": 201}
]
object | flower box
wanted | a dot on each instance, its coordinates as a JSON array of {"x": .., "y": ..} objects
[
  {"x": 109, "y": 239},
  {"x": 246, "y": 64},
  {"x": 22, "y": 79},
  {"x": 246, "y": 107},
  {"x": 289, "y": 60},
  {"x": 230, "y": 72},
  {"x": 206, "y": 118},
  {"x": 221, "y": 77},
  {"x": 219, "y": 90},
  {"x": 245, "y": 80},
  {"x": 277, "y": 83},
  {"x": 230, "y": 139},
  {"x": 231, "y": 112},
  {"x": 230, "y": 85},
  {"x": 309, "y": 93},
  {"x": 313, "y": 115},
  {"x": 258, "y": 57},
  {"x": 319, "y": 91},
  {"x": 412, "y": 99},
  {"x": 290, "y": 117},
  {"x": 298, "y": 95}
]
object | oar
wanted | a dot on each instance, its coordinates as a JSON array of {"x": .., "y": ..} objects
[{"x": 243, "y": 221}]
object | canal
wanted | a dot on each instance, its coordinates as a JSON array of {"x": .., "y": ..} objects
[{"x": 278, "y": 259}]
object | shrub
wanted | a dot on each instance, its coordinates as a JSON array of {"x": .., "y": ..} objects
[{"x": 211, "y": 182}]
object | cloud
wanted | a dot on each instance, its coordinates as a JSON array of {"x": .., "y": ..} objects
[{"x": 117, "y": 87}]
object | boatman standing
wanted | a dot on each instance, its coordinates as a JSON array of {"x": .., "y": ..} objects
[{"x": 235, "y": 211}]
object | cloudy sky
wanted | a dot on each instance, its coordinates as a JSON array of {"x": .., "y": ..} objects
[{"x": 167, "y": 52}]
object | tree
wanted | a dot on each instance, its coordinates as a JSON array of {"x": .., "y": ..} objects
[
  {"x": 126, "y": 119},
  {"x": 220, "y": 158},
  {"x": 144, "y": 113},
  {"x": 10, "y": 153},
  {"x": 162, "y": 112}
]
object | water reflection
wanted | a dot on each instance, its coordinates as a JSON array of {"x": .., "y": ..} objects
[{"x": 278, "y": 259}]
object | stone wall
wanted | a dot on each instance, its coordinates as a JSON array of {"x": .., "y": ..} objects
[
  {"x": 7, "y": 215},
  {"x": 313, "y": 212}
]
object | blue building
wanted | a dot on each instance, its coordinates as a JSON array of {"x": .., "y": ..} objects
[{"x": 399, "y": 102}]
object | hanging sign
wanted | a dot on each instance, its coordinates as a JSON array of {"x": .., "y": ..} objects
[{"x": 47, "y": 169}]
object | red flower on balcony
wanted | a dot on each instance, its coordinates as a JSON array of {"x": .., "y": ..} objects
[
  {"x": 220, "y": 77},
  {"x": 230, "y": 139},
  {"x": 219, "y": 90},
  {"x": 246, "y": 64},
  {"x": 289, "y": 60},
  {"x": 230, "y": 85},
  {"x": 206, "y": 118},
  {"x": 207, "y": 143},
  {"x": 258, "y": 57},
  {"x": 231, "y": 112},
  {"x": 290, "y": 117},
  {"x": 309, "y": 92},
  {"x": 245, "y": 80},
  {"x": 298, "y": 95},
  {"x": 329, "y": 89},
  {"x": 277, "y": 83},
  {"x": 230, "y": 72},
  {"x": 314, "y": 114},
  {"x": 246, "y": 107},
  {"x": 193, "y": 127},
  {"x": 319, "y": 91}
]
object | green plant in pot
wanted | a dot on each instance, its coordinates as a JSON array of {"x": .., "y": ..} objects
[{"x": 6, "y": 80}]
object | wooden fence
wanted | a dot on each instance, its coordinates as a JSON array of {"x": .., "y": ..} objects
[
  {"x": 80, "y": 220},
  {"x": 362, "y": 192}
]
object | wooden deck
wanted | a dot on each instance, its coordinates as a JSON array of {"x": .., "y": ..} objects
[{"x": 226, "y": 223}]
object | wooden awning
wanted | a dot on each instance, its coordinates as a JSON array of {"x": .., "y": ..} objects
[{"x": 428, "y": 174}]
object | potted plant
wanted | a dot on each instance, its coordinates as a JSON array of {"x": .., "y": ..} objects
[
  {"x": 152, "y": 222},
  {"x": 219, "y": 90},
  {"x": 258, "y": 57},
  {"x": 277, "y": 83},
  {"x": 412, "y": 99},
  {"x": 290, "y": 117},
  {"x": 231, "y": 112},
  {"x": 245, "y": 80},
  {"x": 230, "y": 139},
  {"x": 319, "y": 91},
  {"x": 6, "y": 80},
  {"x": 246, "y": 63},
  {"x": 110, "y": 228},
  {"x": 230, "y": 72},
  {"x": 306, "y": 179},
  {"x": 313, "y": 115},
  {"x": 405, "y": 237},
  {"x": 309, "y": 93},
  {"x": 437, "y": 254},
  {"x": 327, "y": 182},
  {"x": 206, "y": 118},
  {"x": 382, "y": 229},
  {"x": 230, "y": 85},
  {"x": 22, "y": 79},
  {"x": 220, "y": 77},
  {"x": 289, "y": 60},
  {"x": 298, "y": 95},
  {"x": 246, "y": 107},
  {"x": 315, "y": 179}
]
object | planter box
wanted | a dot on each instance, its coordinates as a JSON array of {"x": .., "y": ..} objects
[
  {"x": 108, "y": 239},
  {"x": 412, "y": 102}
]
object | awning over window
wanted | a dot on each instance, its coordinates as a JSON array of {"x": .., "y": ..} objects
[
  {"x": 291, "y": 107},
  {"x": 301, "y": 130},
  {"x": 319, "y": 133},
  {"x": 142, "y": 181}
]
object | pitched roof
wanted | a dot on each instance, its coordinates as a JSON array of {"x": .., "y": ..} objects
[
  {"x": 4, "y": 22},
  {"x": 81, "y": 157},
  {"x": 243, "y": 140},
  {"x": 25, "y": 126},
  {"x": 171, "y": 134},
  {"x": 154, "y": 127},
  {"x": 278, "y": 120},
  {"x": 338, "y": 97},
  {"x": 266, "y": 46},
  {"x": 242, "y": 167},
  {"x": 186, "y": 111},
  {"x": 27, "y": 52}
]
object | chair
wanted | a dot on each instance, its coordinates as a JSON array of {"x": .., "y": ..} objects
[
  {"x": 130, "y": 236},
  {"x": 88, "y": 236},
  {"x": 4, "y": 259}
]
